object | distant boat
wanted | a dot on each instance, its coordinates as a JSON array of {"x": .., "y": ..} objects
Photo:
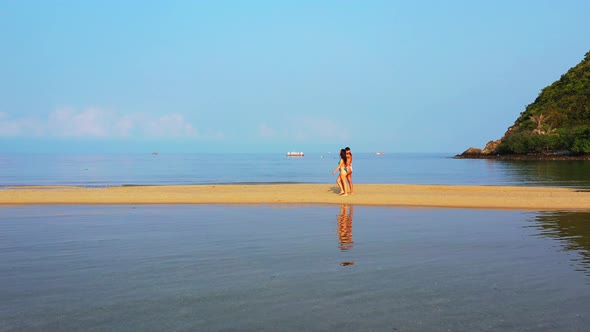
[
  {"x": 378, "y": 153},
  {"x": 295, "y": 154},
  {"x": 155, "y": 153}
]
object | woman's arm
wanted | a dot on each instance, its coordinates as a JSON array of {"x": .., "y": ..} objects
[{"x": 338, "y": 167}]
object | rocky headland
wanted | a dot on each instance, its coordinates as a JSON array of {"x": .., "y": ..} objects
[{"x": 556, "y": 126}]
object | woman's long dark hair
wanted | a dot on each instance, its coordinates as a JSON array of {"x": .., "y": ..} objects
[{"x": 343, "y": 155}]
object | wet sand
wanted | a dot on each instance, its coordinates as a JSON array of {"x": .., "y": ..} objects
[{"x": 484, "y": 197}]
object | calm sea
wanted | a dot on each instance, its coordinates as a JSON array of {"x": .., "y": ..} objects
[
  {"x": 166, "y": 169},
  {"x": 290, "y": 267},
  {"x": 284, "y": 268}
]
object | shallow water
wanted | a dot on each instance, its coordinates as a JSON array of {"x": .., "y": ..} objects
[{"x": 292, "y": 268}]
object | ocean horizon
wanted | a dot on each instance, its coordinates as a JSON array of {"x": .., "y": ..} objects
[{"x": 96, "y": 170}]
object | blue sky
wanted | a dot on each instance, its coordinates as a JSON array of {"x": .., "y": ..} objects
[{"x": 277, "y": 76}]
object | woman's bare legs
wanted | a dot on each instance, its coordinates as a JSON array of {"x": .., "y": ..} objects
[
  {"x": 340, "y": 185},
  {"x": 343, "y": 175}
]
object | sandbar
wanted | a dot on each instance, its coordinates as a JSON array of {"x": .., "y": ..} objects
[{"x": 479, "y": 197}]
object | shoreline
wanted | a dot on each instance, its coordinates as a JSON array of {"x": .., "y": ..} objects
[
  {"x": 525, "y": 157},
  {"x": 435, "y": 196}
]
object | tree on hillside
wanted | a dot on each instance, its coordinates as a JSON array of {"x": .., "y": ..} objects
[{"x": 539, "y": 120}]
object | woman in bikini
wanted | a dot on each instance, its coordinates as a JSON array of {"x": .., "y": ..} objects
[{"x": 341, "y": 179}]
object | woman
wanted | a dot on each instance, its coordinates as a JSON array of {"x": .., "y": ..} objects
[{"x": 341, "y": 179}]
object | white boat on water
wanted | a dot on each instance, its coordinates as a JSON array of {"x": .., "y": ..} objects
[{"x": 295, "y": 154}]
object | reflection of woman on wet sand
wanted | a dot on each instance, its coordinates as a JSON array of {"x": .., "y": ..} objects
[{"x": 345, "y": 227}]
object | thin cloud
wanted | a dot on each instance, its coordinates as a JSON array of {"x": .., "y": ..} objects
[
  {"x": 306, "y": 128},
  {"x": 97, "y": 123},
  {"x": 87, "y": 123},
  {"x": 169, "y": 125},
  {"x": 265, "y": 131},
  {"x": 16, "y": 127},
  {"x": 311, "y": 127}
]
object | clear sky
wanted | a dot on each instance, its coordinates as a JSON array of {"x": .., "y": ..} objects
[{"x": 277, "y": 76}]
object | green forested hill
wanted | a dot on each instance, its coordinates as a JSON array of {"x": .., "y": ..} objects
[{"x": 558, "y": 121}]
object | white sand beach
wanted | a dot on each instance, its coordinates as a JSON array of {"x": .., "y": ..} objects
[{"x": 484, "y": 197}]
